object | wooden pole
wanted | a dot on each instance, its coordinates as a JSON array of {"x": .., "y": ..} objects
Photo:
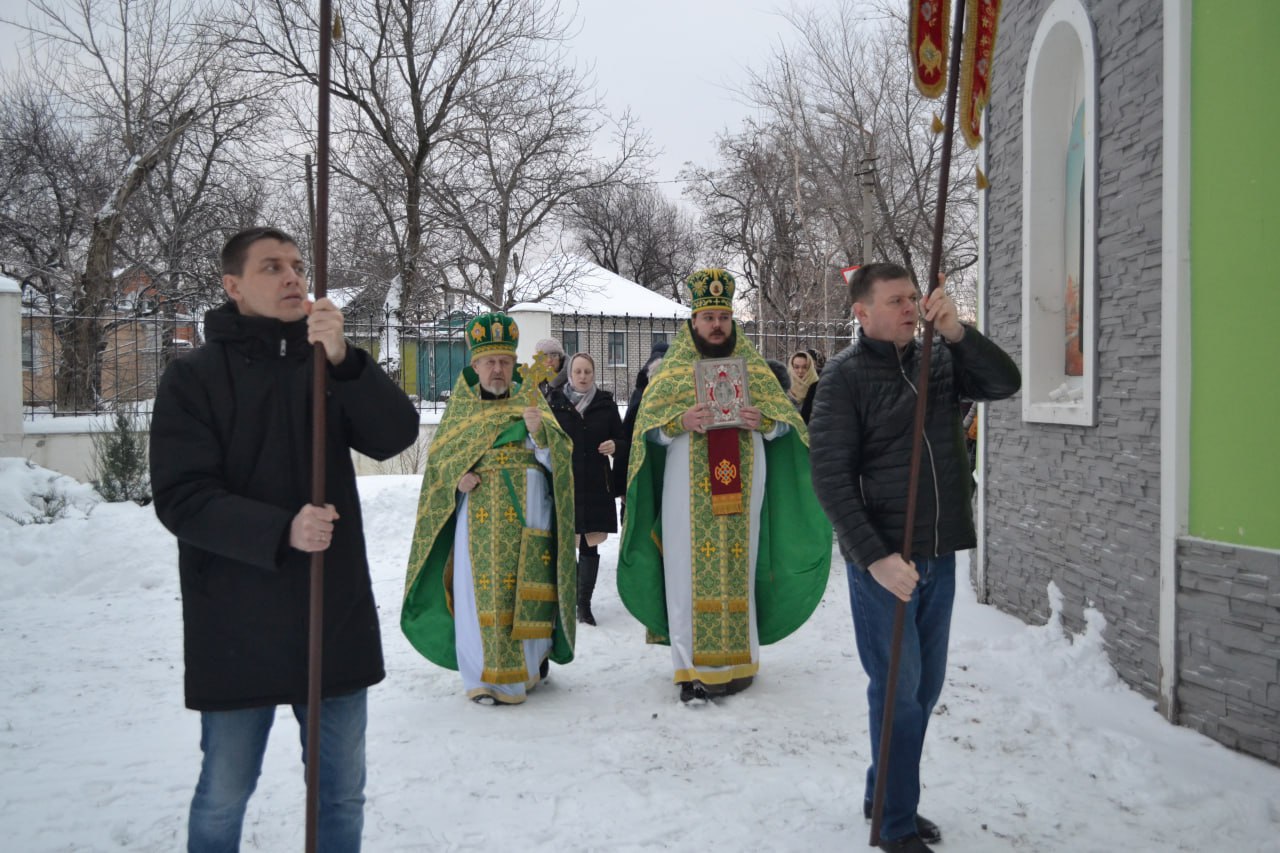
[
  {"x": 917, "y": 435},
  {"x": 320, "y": 280}
]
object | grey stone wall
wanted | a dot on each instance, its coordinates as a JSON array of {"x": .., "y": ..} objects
[
  {"x": 1080, "y": 505},
  {"x": 1229, "y": 645}
]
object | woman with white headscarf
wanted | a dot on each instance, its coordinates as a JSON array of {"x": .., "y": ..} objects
[
  {"x": 589, "y": 415},
  {"x": 803, "y": 368}
]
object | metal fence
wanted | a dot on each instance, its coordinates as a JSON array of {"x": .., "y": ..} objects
[
  {"x": 90, "y": 364},
  {"x": 423, "y": 354}
]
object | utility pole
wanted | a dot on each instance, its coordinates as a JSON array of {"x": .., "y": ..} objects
[{"x": 868, "y": 175}]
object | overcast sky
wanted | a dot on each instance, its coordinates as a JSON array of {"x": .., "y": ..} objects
[{"x": 676, "y": 64}]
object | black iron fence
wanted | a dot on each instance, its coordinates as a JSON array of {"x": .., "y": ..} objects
[
  {"x": 125, "y": 355},
  {"x": 90, "y": 364}
]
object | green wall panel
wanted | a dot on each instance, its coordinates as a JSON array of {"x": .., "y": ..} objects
[{"x": 1235, "y": 290}]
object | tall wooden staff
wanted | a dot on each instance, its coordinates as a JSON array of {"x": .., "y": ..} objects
[
  {"x": 928, "y": 43},
  {"x": 320, "y": 279}
]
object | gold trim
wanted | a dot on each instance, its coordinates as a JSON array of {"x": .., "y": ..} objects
[
  {"x": 721, "y": 658},
  {"x": 721, "y": 676},
  {"x": 504, "y": 676},
  {"x": 716, "y": 605},
  {"x": 487, "y": 620},
  {"x": 500, "y": 698}
]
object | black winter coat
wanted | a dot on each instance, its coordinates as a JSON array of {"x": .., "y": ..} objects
[
  {"x": 806, "y": 407},
  {"x": 230, "y": 468},
  {"x": 594, "y": 484},
  {"x": 860, "y": 443}
]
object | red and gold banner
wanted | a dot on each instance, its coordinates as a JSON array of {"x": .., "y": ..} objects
[
  {"x": 724, "y": 459},
  {"x": 930, "y": 35},
  {"x": 982, "y": 18}
]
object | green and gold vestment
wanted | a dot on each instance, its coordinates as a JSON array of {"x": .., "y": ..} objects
[
  {"x": 793, "y": 558},
  {"x": 525, "y": 580}
]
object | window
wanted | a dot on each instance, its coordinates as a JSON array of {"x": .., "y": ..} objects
[
  {"x": 28, "y": 350},
  {"x": 656, "y": 338},
  {"x": 1059, "y": 229},
  {"x": 569, "y": 340},
  {"x": 617, "y": 349}
]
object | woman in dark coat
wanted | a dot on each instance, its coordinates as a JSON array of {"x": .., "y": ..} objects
[{"x": 590, "y": 416}]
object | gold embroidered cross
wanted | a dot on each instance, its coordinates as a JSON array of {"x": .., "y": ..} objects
[
  {"x": 509, "y": 581},
  {"x": 509, "y": 515},
  {"x": 539, "y": 370},
  {"x": 705, "y": 483},
  {"x": 483, "y": 582},
  {"x": 482, "y": 515},
  {"x": 503, "y": 457},
  {"x": 707, "y": 549},
  {"x": 737, "y": 550},
  {"x": 546, "y": 558}
]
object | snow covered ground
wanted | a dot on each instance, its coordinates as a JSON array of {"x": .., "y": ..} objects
[{"x": 1036, "y": 744}]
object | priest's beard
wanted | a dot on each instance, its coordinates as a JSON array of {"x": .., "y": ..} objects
[{"x": 706, "y": 349}]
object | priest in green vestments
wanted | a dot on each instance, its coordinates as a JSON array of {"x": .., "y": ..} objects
[
  {"x": 491, "y": 583},
  {"x": 724, "y": 546}
]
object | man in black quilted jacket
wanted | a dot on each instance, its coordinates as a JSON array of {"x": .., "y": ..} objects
[{"x": 860, "y": 452}]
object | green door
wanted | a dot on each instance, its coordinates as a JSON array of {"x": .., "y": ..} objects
[{"x": 439, "y": 363}]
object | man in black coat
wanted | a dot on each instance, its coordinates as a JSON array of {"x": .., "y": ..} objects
[
  {"x": 860, "y": 451},
  {"x": 231, "y": 471}
]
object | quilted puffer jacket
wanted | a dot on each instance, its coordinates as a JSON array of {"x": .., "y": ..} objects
[{"x": 860, "y": 442}]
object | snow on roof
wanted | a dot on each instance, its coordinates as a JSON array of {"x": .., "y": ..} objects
[
  {"x": 341, "y": 296},
  {"x": 8, "y": 285},
  {"x": 587, "y": 288}
]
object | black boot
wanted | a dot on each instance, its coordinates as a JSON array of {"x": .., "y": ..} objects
[{"x": 588, "y": 569}]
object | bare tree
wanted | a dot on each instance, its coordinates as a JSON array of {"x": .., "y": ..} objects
[
  {"x": 637, "y": 232},
  {"x": 843, "y": 120},
  {"x": 750, "y": 212},
  {"x": 50, "y": 182},
  {"x": 205, "y": 186},
  {"x": 419, "y": 86},
  {"x": 508, "y": 175},
  {"x": 128, "y": 81}
]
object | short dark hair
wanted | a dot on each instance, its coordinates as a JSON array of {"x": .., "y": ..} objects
[
  {"x": 236, "y": 249},
  {"x": 780, "y": 371},
  {"x": 862, "y": 280}
]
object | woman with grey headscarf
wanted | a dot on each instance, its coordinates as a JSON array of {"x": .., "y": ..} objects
[
  {"x": 553, "y": 348},
  {"x": 589, "y": 415}
]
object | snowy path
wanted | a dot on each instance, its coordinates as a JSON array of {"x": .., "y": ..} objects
[{"x": 1036, "y": 745}]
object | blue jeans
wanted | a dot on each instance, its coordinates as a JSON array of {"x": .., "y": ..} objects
[
  {"x": 233, "y": 743},
  {"x": 921, "y": 671}
]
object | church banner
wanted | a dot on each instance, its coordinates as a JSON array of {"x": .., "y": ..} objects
[
  {"x": 930, "y": 35},
  {"x": 982, "y": 18}
]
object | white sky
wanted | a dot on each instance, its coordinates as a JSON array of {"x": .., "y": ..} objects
[
  {"x": 677, "y": 64},
  {"x": 10, "y": 36}
]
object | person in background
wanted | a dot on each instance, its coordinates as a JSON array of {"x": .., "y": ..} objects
[
  {"x": 971, "y": 436},
  {"x": 552, "y": 348},
  {"x": 804, "y": 381},
  {"x": 231, "y": 474},
  {"x": 589, "y": 415},
  {"x": 780, "y": 370},
  {"x": 643, "y": 375}
]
